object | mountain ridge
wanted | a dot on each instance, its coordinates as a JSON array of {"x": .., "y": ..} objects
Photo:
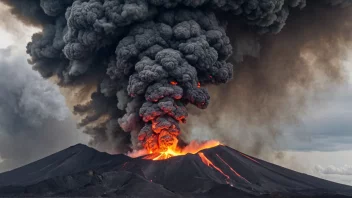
[{"x": 83, "y": 171}]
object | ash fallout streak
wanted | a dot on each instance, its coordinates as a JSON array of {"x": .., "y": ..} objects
[{"x": 151, "y": 58}]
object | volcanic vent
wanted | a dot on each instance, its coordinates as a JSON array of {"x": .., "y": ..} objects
[{"x": 192, "y": 148}]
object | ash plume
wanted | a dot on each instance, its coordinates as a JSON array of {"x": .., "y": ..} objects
[
  {"x": 275, "y": 78},
  {"x": 152, "y": 59}
]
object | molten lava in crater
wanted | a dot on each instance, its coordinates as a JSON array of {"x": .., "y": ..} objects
[
  {"x": 172, "y": 151},
  {"x": 218, "y": 164}
]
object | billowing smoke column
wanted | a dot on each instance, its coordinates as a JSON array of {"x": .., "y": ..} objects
[{"x": 150, "y": 57}]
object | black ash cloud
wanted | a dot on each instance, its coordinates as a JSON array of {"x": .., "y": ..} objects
[{"x": 151, "y": 58}]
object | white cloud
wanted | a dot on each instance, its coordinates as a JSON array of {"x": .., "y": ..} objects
[
  {"x": 339, "y": 174},
  {"x": 333, "y": 166},
  {"x": 13, "y": 31},
  {"x": 6, "y": 39},
  {"x": 341, "y": 179},
  {"x": 334, "y": 170}
]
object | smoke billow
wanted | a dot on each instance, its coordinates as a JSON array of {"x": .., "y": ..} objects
[
  {"x": 276, "y": 77},
  {"x": 34, "y": 120},
  {"x": 151, "y": 58}
]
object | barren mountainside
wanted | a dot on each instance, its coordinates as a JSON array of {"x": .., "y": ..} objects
[{"x": 80, "y": 171}]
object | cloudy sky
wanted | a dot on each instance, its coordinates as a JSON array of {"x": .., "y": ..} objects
[
  {"x": 34, "y": 119},
  {"x": 320, "y": 145}
]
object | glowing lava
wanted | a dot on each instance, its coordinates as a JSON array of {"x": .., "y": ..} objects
[
  {"x": 209, "y": 163},
  {"x": 206, "y": 161},
  {"x": 193, "y": 148},
  {"x": 236, "y": 173},
  {"x": 173, "y": 82}
]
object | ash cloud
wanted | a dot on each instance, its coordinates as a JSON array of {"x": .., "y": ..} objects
[
  {"x": 152, "y": 59},
  {"x": 276, "y": 79}
]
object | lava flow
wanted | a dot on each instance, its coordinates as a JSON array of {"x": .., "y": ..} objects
[
  {"x": 235, "y": 172},
  {"x": 209, "y": 163},
  {"x": 246, "y": 156},
  {"x": 193, "y": 148}
]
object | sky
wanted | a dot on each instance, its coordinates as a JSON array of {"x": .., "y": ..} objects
[{"x": 320, "y": 145}]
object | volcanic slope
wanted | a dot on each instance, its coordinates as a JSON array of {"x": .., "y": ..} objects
[{"x": 80, "y": 171}]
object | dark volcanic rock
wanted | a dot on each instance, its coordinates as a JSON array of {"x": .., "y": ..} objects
[
  {"x": 108, "y": 184},
  {"x": 80, "y": 171},
  {"x": 71, "y": 160}
]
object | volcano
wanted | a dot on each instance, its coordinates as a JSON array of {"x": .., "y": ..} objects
[{"x": 81, "y": 171}]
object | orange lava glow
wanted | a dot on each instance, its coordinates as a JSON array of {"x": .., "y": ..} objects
[
  {"x": 193, "y": 148},
  {"x": 173, "y": 82},
  {"x": 198, "y": 85},
  {"x": 237, "y": 174},
  {"x": 206, "y": 161}
]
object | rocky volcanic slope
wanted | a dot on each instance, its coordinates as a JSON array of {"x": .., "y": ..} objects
[{"x": 80, "y": 171}]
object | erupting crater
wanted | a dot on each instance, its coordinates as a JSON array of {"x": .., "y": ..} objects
[
  {"x": 193, "y": 148},
  {"x": 214, "y": 162},
  {"x": 211, "y": 173}
]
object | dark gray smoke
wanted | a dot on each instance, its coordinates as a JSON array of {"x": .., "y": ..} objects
[
  {"x": 151, "y": 58},
  {"x": 275, "y": 80}
]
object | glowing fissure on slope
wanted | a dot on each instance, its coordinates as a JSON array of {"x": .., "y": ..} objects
[
  {"x": 209, "y": 163},
  {"x": 246, "y": 156},
  {"x": 124, "y": 165},
  {"x": 236, "y": 173}
]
